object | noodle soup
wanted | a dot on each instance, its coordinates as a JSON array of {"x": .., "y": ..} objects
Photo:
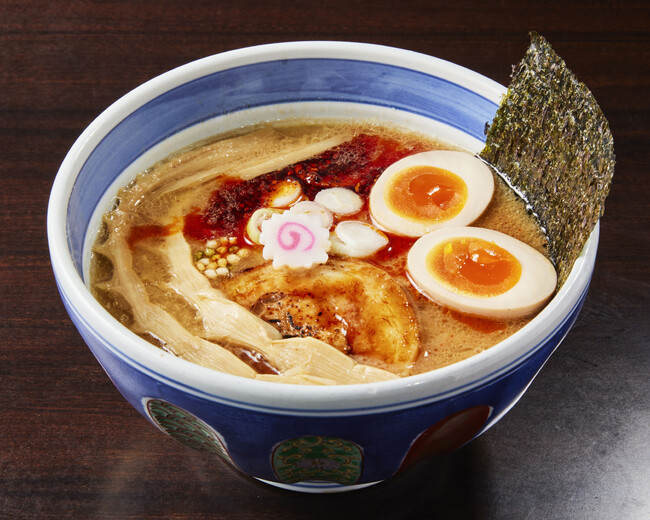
[{"x": 186, "y": 257}]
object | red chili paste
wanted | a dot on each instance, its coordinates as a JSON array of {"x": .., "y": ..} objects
[{"x": 355, "y": 164}]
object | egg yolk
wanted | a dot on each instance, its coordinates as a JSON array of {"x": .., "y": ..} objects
[
  {"x": 426, "y": 194},
  {"x": 475, "y": 266}
]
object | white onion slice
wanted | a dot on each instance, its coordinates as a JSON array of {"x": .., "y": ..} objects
[
  {"x": 357, "y": 239},
  {"x": 284, "y": 194},
  {"x": 312, "y": 208},
  {"x": 340, "y": 201},
  {"x": 254, "y": 226}
]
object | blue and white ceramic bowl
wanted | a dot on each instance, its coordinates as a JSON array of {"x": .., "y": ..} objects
[{"x": 316, "y": 439}]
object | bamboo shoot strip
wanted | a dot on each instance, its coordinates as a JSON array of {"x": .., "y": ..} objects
[
  {"x": 225, "y": 320},
  {"x": 232, "y": 157}
]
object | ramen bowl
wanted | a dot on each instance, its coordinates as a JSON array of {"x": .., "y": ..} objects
[{"x": 306, "y": 438}]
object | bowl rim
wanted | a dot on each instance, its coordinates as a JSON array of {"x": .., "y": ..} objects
[{"x": 281, "y": 397}]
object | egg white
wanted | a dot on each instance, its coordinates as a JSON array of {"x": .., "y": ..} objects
[
  {"x": 535, "y": 286},
  {"x": 474, "y": 172}
]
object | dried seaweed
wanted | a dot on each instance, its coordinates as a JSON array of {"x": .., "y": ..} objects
[{"x": 552, "y": 142}]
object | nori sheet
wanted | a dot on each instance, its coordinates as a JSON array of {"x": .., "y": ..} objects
[{"x": 552, "y": 143}]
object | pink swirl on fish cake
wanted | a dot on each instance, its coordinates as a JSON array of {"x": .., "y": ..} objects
[
  {"x": 296, "y": 232},
  {"x": 294, "y": 240}
]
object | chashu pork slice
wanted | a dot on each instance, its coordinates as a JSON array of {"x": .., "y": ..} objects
[{"x": 352, "y": 305}]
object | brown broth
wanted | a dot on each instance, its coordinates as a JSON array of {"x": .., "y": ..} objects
[{"x": 221, "y": 208}]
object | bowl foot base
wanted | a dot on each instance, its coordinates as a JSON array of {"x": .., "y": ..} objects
[{"x": 314, "y": 486}]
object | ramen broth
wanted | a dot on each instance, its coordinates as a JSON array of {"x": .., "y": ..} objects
[{"x": 209, "y": 191}]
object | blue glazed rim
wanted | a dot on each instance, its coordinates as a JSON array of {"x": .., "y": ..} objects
[
  {"x": 67, "y": 218},
  {"x": 267, "y": 83}
]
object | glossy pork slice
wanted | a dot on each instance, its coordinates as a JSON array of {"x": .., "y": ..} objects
[{"x": 352, "y": 305}]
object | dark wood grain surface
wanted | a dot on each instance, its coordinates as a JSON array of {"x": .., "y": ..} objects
[{"x": 575, "y": 447}]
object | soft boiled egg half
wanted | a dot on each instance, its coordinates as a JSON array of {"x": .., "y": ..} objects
[
  {"x": 430, "y": 190},
  {"x": 481, "y": 272}
]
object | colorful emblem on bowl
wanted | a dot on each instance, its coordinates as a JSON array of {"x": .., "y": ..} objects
[
  {"x": 446, "y": 435},
  {"x": 186, "y": 428},
  {"x": 315, "y": 457}
]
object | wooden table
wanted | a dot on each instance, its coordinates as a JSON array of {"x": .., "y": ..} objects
[{"x": 576, "y": 446}]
